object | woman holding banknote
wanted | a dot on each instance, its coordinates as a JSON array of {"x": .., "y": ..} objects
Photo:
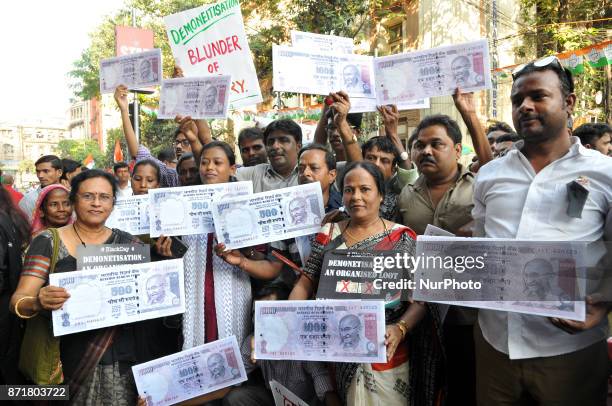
[
  {"x": 411, "y": 374},
  {"x": 223, "y": 290},
  {"x": 96, "y": 364}
]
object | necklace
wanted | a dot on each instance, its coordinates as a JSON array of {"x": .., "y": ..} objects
[
  {"x": 355, "y": 239},
  {"x": 77, "y": 234}
]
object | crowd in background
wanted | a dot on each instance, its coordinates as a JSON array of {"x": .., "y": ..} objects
[{"x": 378, "y": 195}]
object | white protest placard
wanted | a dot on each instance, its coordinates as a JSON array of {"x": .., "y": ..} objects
[{"x": 210, "y": 40}]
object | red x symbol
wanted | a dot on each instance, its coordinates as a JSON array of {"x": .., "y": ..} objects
[
  {"x": 345, "y": 286},
  {"x": 369, "y": 287}
]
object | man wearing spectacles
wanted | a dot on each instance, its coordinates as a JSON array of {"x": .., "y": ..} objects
[{"x": 527, "y": 359}]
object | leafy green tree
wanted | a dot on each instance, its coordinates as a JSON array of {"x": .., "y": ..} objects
[
  {"x": 80, "y": 149},
  {"x": 555, "y": 26},
  {"x": 113, "y": 135}
]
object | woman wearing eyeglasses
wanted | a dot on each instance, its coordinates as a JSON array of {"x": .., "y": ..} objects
[{"x": 96, "y": 364}]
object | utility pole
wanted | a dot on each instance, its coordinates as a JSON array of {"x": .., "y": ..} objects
[{"x": 136, "y": 106}]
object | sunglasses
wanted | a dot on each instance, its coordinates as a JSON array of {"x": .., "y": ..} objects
[{"x": 550, "y": 60}]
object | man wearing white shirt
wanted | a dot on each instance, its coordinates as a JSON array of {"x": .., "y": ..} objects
[
  {"x": 122, "y": 174},
  {"x": 523, "y": 359}
]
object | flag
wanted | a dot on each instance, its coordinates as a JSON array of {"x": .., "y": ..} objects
[
  {"x": 118, "y": 154},
  {"x": 600, "y": 55},
  {"x": 573, "y": 60},
  {"x": 89, "y": 162}
]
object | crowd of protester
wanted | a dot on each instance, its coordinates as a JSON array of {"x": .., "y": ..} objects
[{"x": 378, "y": 195}]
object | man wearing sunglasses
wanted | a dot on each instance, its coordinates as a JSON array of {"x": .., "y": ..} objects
[{"x": 526, "y": 359}]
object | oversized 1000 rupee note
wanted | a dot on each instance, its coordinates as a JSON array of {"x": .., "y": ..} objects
[
  {"x": 130, "y": 214},
  {"x": 202, "y": 97},
  {"x": 265, "y": 217},
  {"x": 118, "y": 295},
  {"x": 186, "y": 210},
  {"x": 190, "y": 373},
  {"x": 321, "y": 330},
  {"x": 432, "y": 72},
  {"x": 134, "y": 71}
]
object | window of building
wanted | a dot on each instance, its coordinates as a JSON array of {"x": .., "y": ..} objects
[
  {"x": 395, "y": 38},
  {"x": 8, "y": 151}
]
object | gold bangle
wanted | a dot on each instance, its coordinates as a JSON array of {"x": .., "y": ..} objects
[
  {"x": 403, "y": 327},
  {"x": 21, "y": 316}
]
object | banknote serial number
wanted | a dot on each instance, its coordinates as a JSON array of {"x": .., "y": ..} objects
[{"x": 33, "y": 392}]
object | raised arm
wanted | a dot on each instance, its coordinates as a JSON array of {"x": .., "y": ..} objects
[
  {"x": 320, "y": 135},
  {"x": 204, "y": 133},
  {"x": 121, "y": 93},
  {"x": 464, "y": 102},
  {"x": 189, "y": 127},
  {"x": 341, "y": 107},
  {"x": 203, "y": 130},
  {"x": 390, "y": 116}
]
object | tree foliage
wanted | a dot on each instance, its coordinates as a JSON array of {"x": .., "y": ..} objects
[
  {"x": 80, "y": 149},
  {"x": 267, "y": 22}
]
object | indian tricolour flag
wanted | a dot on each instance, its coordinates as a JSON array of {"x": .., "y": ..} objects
[
  {"x": 600, "y": 55},
  {"x": 89, "y": 161},
  {"x": 573, "y": 60}
]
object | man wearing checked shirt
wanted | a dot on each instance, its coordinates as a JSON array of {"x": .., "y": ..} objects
[{"x": 523, "y": 359}]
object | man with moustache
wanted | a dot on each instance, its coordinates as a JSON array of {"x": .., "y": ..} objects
[
  {"x": 283, "y": 140},
  {"x": 442, "y": 196},
  {"x": 525, "y": 359}
]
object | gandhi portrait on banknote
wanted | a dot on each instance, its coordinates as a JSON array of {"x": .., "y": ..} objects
[
  {"x": 158, "y": 291},
  {"x": 350, "y": 332},
  {"x": 211, "y": 94},
  {"x": 300, "y": 213},
  {"x": 217, "y": 366},
  {"x": 463, "y": 73},
  {"x": 147, "y": 73},
  {"x": 542, "y": 284},
  {"x": 353, "y": 82}
]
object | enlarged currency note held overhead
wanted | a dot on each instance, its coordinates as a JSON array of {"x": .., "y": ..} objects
[
  {"x": 118, "y": 295},
  {"x": 131, "y": 214},
  {"x": 265, "y": 217},
  {"x": 187, "y": 210},
  {"x": 320, "y": 330},
  {"x": 532, "y": 277},
  {"x": 201, "y": 97},
  {"x": 190, "y": 373},
  {"x": 135, "y": 71},
  {"x": 321, "y": 42},
  {"x": 305, "y": 71},
  {"x": 438, "y": 71}
]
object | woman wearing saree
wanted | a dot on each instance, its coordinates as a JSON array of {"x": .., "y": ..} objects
[
  {"x": 95, "y": 364},
  {"x": 412, "y": 373},
  {"x": 53, "y": 208}
]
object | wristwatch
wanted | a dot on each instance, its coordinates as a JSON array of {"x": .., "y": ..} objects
[{"x": 404, "y": 156}]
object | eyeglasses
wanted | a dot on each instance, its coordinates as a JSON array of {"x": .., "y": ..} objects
[
  {"x": 184, "y": 143},
  {"x": 540, "y": 63},
  {"x": 90, "y": 197}
]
